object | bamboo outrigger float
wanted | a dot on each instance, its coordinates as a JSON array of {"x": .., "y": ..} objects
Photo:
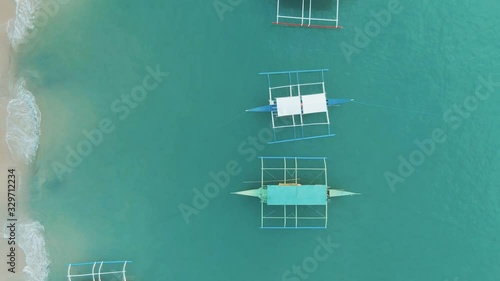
[{"x": 303, "y": 204}]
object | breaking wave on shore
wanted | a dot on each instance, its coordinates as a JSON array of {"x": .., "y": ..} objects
[
  {"x": 31, "y": 240},
  {"x": 24, "y": 21},
  {"x": 23, "y": 123}
]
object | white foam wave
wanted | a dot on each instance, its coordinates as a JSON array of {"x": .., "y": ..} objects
[
  {"x": 31, "y": 240},
  {"x": 24, "y": 20},
  {"x": 23, "y": 123}
]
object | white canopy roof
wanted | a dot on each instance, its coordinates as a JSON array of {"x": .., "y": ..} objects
[
  {"x": 288, "y": 106},
  {"x": 314, "y": 103},
  {"x": 301, "y": 104}
]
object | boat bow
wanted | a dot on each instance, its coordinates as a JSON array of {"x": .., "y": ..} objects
[
  {"x": 338, "y": 193},
  {"x": 331, "y": 102},
  {"x": 249, "y": 192}
]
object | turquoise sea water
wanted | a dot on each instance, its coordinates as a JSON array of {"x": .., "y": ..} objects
[{"x": 122, "y": 201}]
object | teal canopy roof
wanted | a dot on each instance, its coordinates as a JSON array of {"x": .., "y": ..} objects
[{"x": 296, "y": 195}]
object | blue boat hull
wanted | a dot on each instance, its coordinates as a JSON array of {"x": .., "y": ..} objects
[{"x": 273, "y": 108}]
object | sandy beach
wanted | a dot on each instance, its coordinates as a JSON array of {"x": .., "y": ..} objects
[{"x": 7, "y": 12}]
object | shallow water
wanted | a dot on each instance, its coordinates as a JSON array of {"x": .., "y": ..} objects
[{"x": 121, "y": 201}]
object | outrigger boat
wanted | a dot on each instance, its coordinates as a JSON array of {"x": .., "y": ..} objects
[
  {"x": 298, "y": 105},
  {"x": 295, "y": 13},
  {"x": 302, "y": 205},
  {"x": 272, "y": 107},
  {"x": 99, "y": 270},
  {"x": 293, "y": 188}
]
